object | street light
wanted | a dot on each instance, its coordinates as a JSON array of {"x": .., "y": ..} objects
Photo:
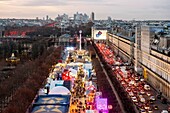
[{"x": 80, "y": 38}]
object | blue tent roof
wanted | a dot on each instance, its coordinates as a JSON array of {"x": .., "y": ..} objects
[
  {"x": 49, "y": 109},
  {"x": 50, "y": 104}
]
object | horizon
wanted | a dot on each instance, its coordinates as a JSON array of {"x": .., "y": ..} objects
[{"x": 89, "y": 18}]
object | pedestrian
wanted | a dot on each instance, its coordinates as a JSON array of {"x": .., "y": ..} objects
[{"x": 60, "y": 76}]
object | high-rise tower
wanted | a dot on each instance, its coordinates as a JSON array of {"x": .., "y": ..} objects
[{"x": 92, "y": 16}]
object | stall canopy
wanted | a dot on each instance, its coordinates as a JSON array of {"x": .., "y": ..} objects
[
  {"x": 75, "y": 64},
  {"x": 88, "y": 65},
  {"x": 66, "y": 75},
  {"x": 73, "y": 72},
  {"x": 60, "y": 90}
]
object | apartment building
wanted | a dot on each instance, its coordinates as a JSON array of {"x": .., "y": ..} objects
[
  {"x": 149, "y": 52},
  {"x": 152, "y": 54}
]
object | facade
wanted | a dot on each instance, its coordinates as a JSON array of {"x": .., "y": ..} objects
[
  {"x": 155, "y": 64},
  {"x": 122, "y": 46}
]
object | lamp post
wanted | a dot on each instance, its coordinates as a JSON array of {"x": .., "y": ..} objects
[{"x": 80, "y": 38}]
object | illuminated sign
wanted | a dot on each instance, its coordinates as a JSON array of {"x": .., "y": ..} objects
[
  {"x": 102, "y": 103},
  {"x": 100, "y": 34}
]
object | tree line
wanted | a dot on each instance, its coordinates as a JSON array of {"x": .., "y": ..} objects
[
  {"x": 56, "y": 31},
  {"x": 20, "y": 89}
]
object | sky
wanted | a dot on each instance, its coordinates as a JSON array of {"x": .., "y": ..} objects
[{"x": 116, "y": 9}]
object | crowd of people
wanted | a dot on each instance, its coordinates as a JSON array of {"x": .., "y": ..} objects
[{"x": 78, "y": 98}]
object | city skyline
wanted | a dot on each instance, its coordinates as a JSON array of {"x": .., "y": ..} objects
[{"x": 116, "y": 9}]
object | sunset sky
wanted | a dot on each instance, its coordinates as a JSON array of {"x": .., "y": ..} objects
[{"x": 116, "y": 9}]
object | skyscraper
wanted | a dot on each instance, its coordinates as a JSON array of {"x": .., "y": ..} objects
[
  {"x": 92, "y": 16},
  {"x": 47, "y": 17}
]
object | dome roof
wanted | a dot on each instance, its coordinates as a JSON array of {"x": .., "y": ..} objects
[{"x": 60, "y": 90}]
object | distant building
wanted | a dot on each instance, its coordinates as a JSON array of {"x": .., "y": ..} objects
[
  {"x": 164, "y": 42},
  {"x": 2, "y": 29},
  {"x": 109, "y": 19},
  {"x": 92, "y": 16},
  {"x": 47, "y": 17},
  {"x": 80, "y": 18},
  {"x": 36, "y": 18}
]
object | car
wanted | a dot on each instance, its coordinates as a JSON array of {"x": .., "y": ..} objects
[
  {"x": 147, "y": 87},
  {"x": 164, "y": 111},
  {"x": 142, "y": 100},
  {"x": 136, "y": 78},
  {"x": 128, "y": 89},
  {"x": 147, "y": 107},
  {"x": 150, "y": 111},
  {"x": 123, "y": 83},
  {"x": 134, "y": 99},
  {"x": 136, "y": 84},
  {"x": 131, "y": 94},
  {"x": 127, "y": 80},
  {"x": 142, "y": 80},
  {"x": 155, "y": 107},
  {"x": 151, "y": 101},
  {"x": 142, "y": 92},
  {"x": 131, "y": 83},
  {"x": 135, "y": 91},
  {"x": 148, "y": 93},
  {"x": 143, "y": 111},
  {"x": 152, "y": 98},
  {"x": 139, "y": 105},
  {"x": 140, "y": 96}
]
